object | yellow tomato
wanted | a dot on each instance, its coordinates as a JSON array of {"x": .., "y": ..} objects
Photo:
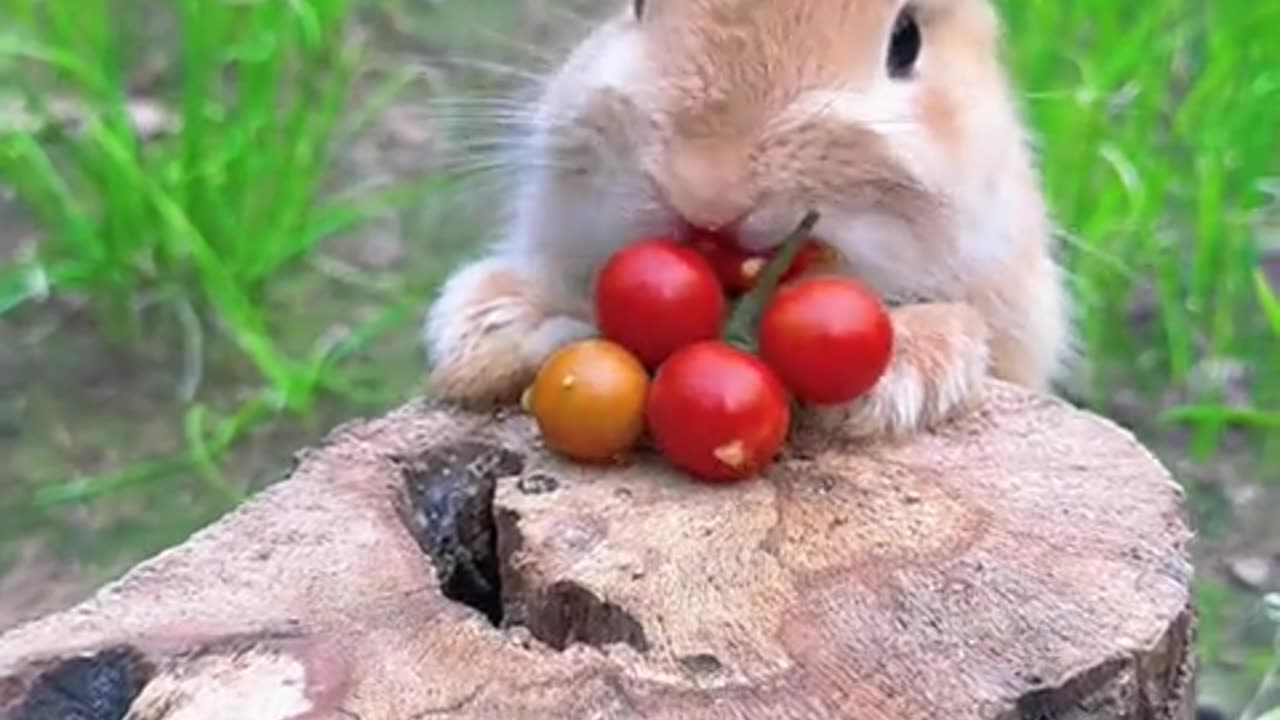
[{"x": 588, "y": 400}]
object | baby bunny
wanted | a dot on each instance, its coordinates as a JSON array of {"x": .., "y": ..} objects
[{"x": 893, "y": 119}]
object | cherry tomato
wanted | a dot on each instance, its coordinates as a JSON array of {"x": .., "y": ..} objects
[
  {"x": 738, "y": 269},
  {"x": 811, "y": 255},
  {"x": 588, "y": 399},
  {"x": 657, "y": 295},
  {"x": 828, "y": 338},
  {"x": 717, "y": 412}
]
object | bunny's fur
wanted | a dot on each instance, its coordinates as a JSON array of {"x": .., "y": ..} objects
[{"x": 747, "y": 113}]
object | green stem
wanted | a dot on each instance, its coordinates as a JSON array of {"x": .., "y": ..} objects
[{"x": 740, "y": 330}]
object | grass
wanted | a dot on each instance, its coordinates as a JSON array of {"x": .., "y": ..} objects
[
  {"x": 196, "y": 215},
  {"x": 1155, "y": 125}
]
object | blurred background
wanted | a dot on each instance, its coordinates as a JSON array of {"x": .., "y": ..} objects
[{"x": 220, "y": 221}]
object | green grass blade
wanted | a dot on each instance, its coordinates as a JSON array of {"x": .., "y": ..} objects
[{"x": 1268, "y": 300}]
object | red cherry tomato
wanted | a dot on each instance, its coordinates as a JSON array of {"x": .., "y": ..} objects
[
  {"x": 717, "y": 412},
  {"x": 810, "y": 255},
  {"x": 655, "y": 296},
  {"x": 829, "y": 339},
  {"x": 738, "y": 269}
]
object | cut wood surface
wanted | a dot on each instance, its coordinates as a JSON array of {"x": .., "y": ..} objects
[{"x": 1028, "y": 561}]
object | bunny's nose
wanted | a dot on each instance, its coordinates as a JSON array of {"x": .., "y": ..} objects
[{"x": 708, "y": 184}]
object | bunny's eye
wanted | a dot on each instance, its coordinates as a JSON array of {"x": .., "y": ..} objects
[
  {"x": 638, "y": 6},
  {"x": 904, "y": 45}
]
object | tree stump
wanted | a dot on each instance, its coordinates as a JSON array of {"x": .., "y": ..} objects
[{"x": 1028, "y": 561}]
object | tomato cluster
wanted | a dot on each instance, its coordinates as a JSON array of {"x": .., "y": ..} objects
[{"x": 704, "y": 346}]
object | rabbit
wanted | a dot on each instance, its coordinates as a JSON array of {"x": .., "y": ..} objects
[{"x": 895, "y": 120}]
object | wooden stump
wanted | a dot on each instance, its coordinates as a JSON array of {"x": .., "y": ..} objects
[{"x": 1026, "y": 562}]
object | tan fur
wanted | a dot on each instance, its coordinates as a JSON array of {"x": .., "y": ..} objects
[
  {"x": 745, "y": 113},
  {"x": 939, "y": 114},
  {"x": 708, "y": 182},
  {"x": 499, "y": 327}
]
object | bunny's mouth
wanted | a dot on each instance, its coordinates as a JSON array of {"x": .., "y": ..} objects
[{"x": 738, "y": 269}]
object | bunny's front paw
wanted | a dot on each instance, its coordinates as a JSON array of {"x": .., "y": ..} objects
[
  {"x": 939, "y": 363},
  {"x": 495, "y": 370},
  {"x": 489, "y": 332}
]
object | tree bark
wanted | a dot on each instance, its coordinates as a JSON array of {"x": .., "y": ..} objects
[{"x": 1026, "y": 562}]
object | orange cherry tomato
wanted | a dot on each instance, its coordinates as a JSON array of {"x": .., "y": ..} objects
[{"x": 588, "y": 400}]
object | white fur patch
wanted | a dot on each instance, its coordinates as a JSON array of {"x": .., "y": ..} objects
[
  {"x": 900, "y": 399},
  {"x": 553, "y": 334},
  {"x": 881, "y": 249},
  {"x": 616, "y": 67}
]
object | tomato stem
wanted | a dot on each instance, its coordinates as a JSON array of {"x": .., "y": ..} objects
[{"x": 740, "y": 330}]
